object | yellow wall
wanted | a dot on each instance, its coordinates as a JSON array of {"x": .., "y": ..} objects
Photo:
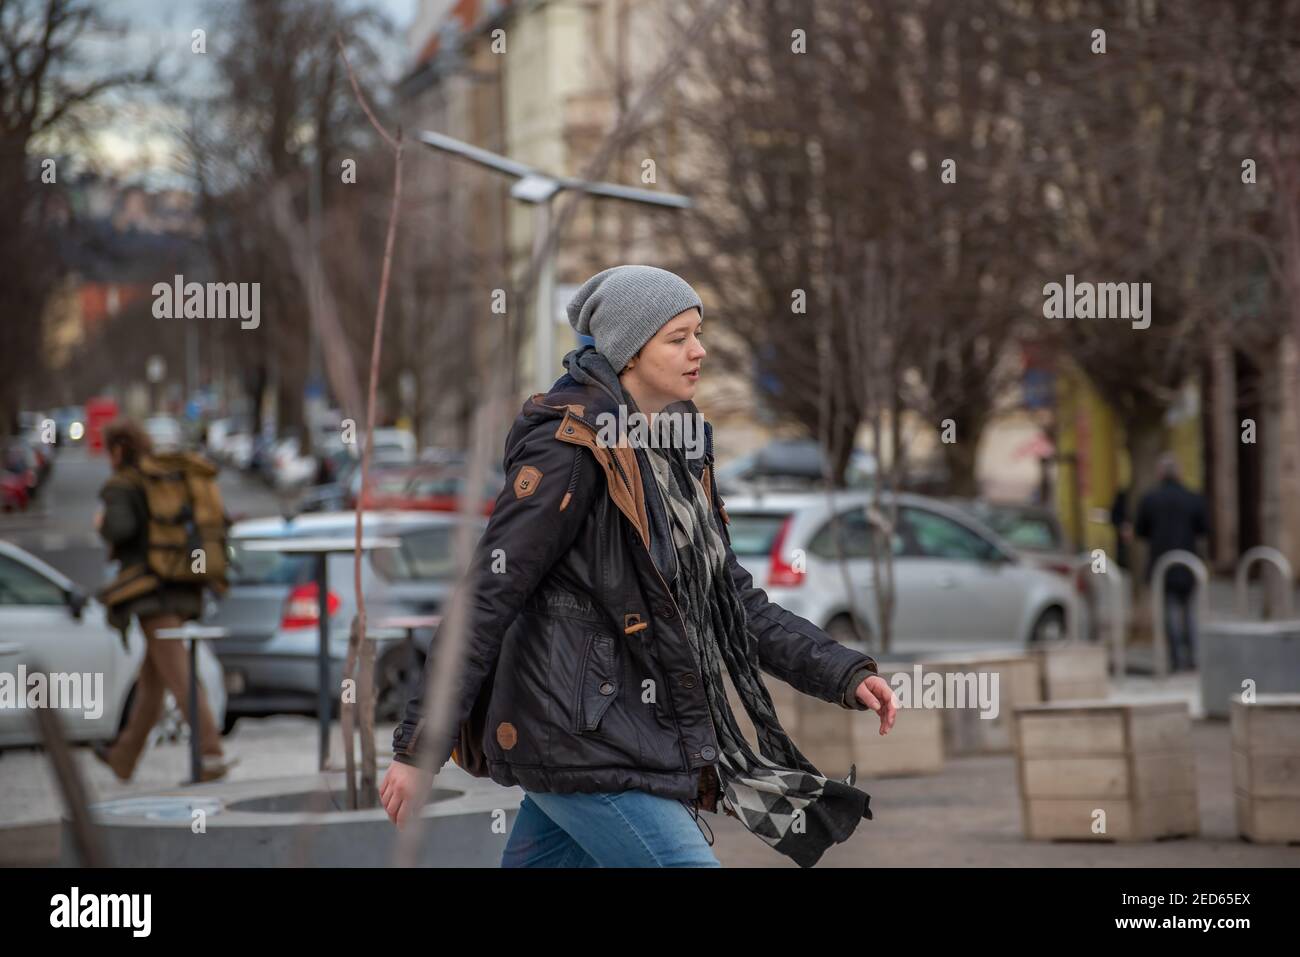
[{"x": 1088, "y": 424}]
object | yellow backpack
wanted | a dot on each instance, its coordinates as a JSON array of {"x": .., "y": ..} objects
[{"x": 187, "y": 521}]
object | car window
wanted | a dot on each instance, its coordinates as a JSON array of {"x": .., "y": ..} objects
[
  {"x": 855, "y": 541},
  {"x": 753, "y": 533},
  {"x": 1028, "y": 532},
  {"x": 424, "y": 555},
  {"x": 934, "y": 536},
  {"x": 20, "y": 585},
  {"x": 248, "y": 567}
]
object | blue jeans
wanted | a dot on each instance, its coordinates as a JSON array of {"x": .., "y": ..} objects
[{"x": 624, "y": 829}]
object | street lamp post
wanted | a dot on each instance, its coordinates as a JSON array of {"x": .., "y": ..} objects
[{"x": 540, "y": 188}]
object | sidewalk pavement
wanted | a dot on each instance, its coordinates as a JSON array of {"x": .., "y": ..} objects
[{"x": 968, "y": 815}]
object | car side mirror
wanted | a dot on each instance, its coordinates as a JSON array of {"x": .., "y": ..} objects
[{"x": 76, "y": 599}]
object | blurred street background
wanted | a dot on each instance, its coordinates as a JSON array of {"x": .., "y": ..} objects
[{"x": 875, "y": 201}]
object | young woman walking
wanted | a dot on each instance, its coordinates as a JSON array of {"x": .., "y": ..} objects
[{"x": 607, "y": 603}]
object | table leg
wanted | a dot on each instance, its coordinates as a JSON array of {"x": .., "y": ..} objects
[
  {"x": 323, "y": 700},
  {"x": 195, "y": 761}
]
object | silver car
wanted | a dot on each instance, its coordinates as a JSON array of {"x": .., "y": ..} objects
[
  {"x": 271, "y": 608},
  {"x": 58, "y": 629},
  {"x": 957, "y": 584}
]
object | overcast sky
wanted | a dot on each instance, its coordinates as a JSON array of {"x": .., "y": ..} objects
[{"x": 130, "y": 134}]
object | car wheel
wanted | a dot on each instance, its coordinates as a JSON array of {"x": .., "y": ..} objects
[
  {"x": 843, "y": 630},
  {"x": 397, "y": 675},
  {"x": 1050, "y": 627}
]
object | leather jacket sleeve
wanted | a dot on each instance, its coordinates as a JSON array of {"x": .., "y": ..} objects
[{"x": 550, "y": 489}]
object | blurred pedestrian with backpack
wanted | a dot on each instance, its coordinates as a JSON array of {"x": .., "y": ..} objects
[{"x": 163, "y": 521}]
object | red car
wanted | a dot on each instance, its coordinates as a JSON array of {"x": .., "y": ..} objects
[
  {"x": 427, "y": 488},
  {"x": 13, "y": 491}
]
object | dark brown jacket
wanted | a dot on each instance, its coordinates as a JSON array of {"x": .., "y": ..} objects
[{"x": 571, "y": 623}]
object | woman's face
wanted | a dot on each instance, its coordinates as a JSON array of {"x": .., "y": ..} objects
[{"x": 667, "y": 369}]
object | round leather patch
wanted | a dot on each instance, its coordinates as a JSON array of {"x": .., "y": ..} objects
[{"x": 507, "y": 736}]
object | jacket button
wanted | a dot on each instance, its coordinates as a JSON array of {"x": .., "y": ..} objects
[
  {"x": 707, "y": 753},
  {"x": 607, "y": 687},
  {"x": 665, "y": 611},
  {"x": 688, "y": 680}
]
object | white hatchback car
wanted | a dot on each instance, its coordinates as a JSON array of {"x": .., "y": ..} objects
[
  {"x": 61, "y": 631},
  {"x": 958, "y": 585}
]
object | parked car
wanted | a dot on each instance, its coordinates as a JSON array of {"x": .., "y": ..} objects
[
  {"x": 1036, "y": 533},
  {"x": 958, "y": 584},
  {"x": 789, "y": 465},
  {"x": 393, "y": 447},
  {"x": 272, "y": 608},
  {"x": 290, "y": 466},
  {"x": 13, "y": 492},
  {"x": 1034, "y": 530},
  {"x": 19, "y": 459},
  {"x": 430, "y": 488},
  {"x": 62, "y": 630}
]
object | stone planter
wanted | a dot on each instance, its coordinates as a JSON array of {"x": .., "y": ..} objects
[
  {"x": 1231, "y": 652},
  {"x": 1266, "y": 767},
  {"x": 966, "y": 730},
  {"x": 1106, "y": 770},
  {"x": 276, "y": 823},
  {"x": 833, "y": 738},
  {"x": 1073, "y": 671}
]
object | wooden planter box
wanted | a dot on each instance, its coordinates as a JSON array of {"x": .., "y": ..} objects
[
  {"x": 1266, "y": 767},
  {"x": 1073, "y": 671},
  {"x": 833, "y": 738},
  {"x": 1132, "y": 760},
  {"x": 964, "y": 730}
]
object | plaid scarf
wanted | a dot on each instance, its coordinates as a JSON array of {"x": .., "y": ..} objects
[{"x": 777, "y": 794}]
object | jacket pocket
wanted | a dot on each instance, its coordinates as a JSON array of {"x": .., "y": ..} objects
[{"x": 598, "y": 682}]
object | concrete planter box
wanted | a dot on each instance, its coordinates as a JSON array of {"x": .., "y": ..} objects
[
  {"x": 833, "y": 738},
  {"x": 1073, "y": 671},
  {"x": 272, "y": 823},
  {"x": 1266, "y": 652},
  {"x": 1266, "y": 767},
  {"x": 1019, "y": 683},
  {"x": 1106, "y": 770}
]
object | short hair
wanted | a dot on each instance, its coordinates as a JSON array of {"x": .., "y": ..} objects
[{"x": 127, "y": 435}]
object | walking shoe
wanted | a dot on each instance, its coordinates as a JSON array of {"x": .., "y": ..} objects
[{"x": 214, "y": 769}]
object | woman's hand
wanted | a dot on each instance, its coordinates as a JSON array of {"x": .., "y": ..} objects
[
  {"x": 876, "y": 694},
  {"x": 403, "y": 792}
]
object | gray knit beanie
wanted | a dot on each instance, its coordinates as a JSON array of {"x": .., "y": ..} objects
[{"x": 624, "y": 306}]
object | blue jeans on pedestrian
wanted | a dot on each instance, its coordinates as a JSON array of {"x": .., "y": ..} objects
[
  {"x": 1180, "y": 629},
  {"x": 623, "y": 829}
]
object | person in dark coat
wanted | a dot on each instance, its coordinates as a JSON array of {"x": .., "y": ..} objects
[
  {"x": 605, "y": 602},
  {"x": 1172, "y": 517},
  {"x": 123, "y": 523}
]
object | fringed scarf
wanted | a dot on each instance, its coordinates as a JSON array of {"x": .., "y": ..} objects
[{"x": 777, "y": 794}]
